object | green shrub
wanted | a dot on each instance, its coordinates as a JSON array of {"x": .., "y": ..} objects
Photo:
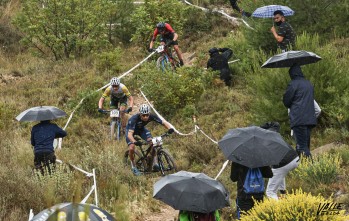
[
  {"x": 296, "y": 206},
  {"x": 109, "y": 61},
  {"x": 322, "y": 170}
]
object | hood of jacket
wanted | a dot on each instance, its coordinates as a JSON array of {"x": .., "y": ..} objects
[{"x": 295, "y": 71}]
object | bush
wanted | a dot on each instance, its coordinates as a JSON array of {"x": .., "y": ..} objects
[
  {"x": 296, "y": 206},
  {"x": 324, "y": 169}
]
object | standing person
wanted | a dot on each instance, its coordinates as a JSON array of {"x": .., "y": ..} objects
[
  {"x": 219, "y": 62},
  {"x": 118, "y": 93},
  {"x": 285, "y": 36},
  {"x": 168, "y": 37},
  {"x": 136, "y": 126},
  {"x": 235, "y": 6},
  {"x": 289, "y": 162},
  {"x": 244, "y": 201},
  {"x": 42, "y": 137},
  {"x": 299, "y": 98},
  {"x": 193, "y": 216}
]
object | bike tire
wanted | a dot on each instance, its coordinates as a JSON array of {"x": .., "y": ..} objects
[
  {"x": 166, "y": 162},
  {"x": 118, "y": 130},
  {"x": 141, "y": 163},
  {"x": 112, "y": 130},
  {"x": 164, "y": 64}
]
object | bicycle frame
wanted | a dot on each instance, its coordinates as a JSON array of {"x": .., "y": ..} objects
[
  {"x": 115, "y": 123},
  {"x": 167, "y": 60}
]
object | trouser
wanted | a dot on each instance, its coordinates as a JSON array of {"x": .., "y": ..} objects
[
  {"x": 278, "y": 181},
  {"x": 245, "y": 205},
  {"x": 234, "y": 4},
  {"x": 225, "y": 75},
  {"x": 302, "y": 137},
  {"x": 45, "y": 161}
]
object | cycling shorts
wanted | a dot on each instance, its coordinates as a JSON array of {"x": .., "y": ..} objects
[
  {"x": 115, "y": 101},
  {"x": 144, "y": 134},
  {"x": 168, "y": 37}
]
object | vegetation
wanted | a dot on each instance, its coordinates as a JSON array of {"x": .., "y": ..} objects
[{"x": 85, "y": 50}]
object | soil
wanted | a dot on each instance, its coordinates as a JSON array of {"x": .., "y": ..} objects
[{"x": 167, "y": 213}]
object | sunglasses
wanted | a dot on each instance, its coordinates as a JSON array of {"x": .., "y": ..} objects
[{"x": 145, "y": 115}]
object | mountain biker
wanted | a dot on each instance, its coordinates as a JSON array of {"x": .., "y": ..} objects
[
  {"x": 168, "y": 37},
  {"x": 118, "y": 94},
  {"x": 136, "y": 126}
]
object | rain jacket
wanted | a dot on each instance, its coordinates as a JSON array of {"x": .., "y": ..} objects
[
  {"x": 299, "y": 97},
  {"x": 43, "y": 134},
  {"x": 188, "y": 216}
]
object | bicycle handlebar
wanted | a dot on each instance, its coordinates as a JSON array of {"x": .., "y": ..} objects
[{"x": 146, "y": 143}]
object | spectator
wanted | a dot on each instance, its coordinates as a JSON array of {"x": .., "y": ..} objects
[
  {"x": 289, "y": 162},
  {"x": 42, "y": 137},
  {"x": 235, "y": 6},
  {"x": 219, "y": 62},
  {"x": 299, "y": 98},
  {"x": 244, "y": 202},
  {"x": 285, "y": 35}
]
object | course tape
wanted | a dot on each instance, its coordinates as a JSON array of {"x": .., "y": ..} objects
[{"x": 221, "y": 12}]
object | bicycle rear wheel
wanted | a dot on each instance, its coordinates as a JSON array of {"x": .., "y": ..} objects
[
  {"x": 166, "y": 162},
  {"x": 141, "y": 163}
]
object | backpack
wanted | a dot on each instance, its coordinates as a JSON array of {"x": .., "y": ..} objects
[
  {"x": 254, "y": 182},
  {"x": 193, "y": 216}
]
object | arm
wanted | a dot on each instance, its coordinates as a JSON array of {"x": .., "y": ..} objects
[
  {"x": 131, "y": 101},
  {"x": 128, "y": 94},
  {"x": 153, "y": 38},
  {"x": 166, "y": 124},
  {"x": 130, "y": 136},
  {"x": 278, "y": 38},
  {"x": 100, "y": 103},
  {"x": 317, "y": 109},
  {"x": 288, "y": 96},
  {"x": 60, "y": 133},
  {"x": 175, "y": 37},
  {"x": 234, "y": 172},
  {"x": 226, "y": 52},
  {"x": 266, "y": 172}
]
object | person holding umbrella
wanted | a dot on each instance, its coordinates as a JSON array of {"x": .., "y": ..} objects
[
  {"x": 285, "y": 36},
  {"x": 299, "y": 98},
  {"x": 42, "y": 137},
  {"x": 218, "y": 61}
]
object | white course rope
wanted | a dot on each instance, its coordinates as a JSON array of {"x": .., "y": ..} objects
[{"x": 223, "y": 167}]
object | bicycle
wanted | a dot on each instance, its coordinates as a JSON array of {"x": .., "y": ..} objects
[
  {"x": 168, "y": 60},
  {"x": 115, "y": 123},
  {"x": 143, "y": 158}
]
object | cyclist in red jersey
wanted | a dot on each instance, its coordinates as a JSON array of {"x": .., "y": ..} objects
[{"x": 168, "y": 37}]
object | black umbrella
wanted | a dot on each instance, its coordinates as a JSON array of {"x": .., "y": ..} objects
[
  {"x": 253, "y": 146},
  {"x": 73, "y": 212},
  {"x": 41, "y": 113},
  {"x": 194, "y": 192},
  {"x": 289, "y": 58}
]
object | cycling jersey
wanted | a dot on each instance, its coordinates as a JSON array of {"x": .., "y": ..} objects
[
  {"x": 168, "y": 31},
  {"x": 136, "y": 124},
  {"x": 122, "y": 91}
]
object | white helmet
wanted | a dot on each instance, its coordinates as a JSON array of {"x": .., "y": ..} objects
[
  {"x": 144, "y": 109},
  {"x": 115, "y": 81}
]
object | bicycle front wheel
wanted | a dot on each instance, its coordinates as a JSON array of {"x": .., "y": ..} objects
[
  {"x": 118, "y": 130},
  {"x": 166, "y": 162},
  {"x": 164, "y": 64},
  {"x": 141, "y": 163},
  {"x": 113, "y": 128}
]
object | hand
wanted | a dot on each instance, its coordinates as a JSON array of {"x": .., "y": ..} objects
[
  {"x": 150, "y": 49},
  {"x": 273, "y": 29},
  {"x": 138, "y": 143},
  {"x": 128, "y": 110},
  {"x": 100, "y": 110},
  {"x": 170, "y": 131}
]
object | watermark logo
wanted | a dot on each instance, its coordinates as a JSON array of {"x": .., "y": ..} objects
[{"x": 329, "y": 208}]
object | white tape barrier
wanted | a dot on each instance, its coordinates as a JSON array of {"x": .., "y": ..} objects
[
  {"x": 223, "y": 167},
  {"x": 31, "y": 214},
  {"x": 93, "y": 188},
  {"x": 221, "y": 12},
  {"x": 198, "y": 128},
  {"x": 77, "y": 106},
  {"x": 162, "y": 118},
  {"x": 229, "y": 62}
]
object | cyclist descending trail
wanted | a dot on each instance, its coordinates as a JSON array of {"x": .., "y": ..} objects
[
  {"x": 167, "y": 61},
  {"x": 119, "y": 94},
  {"x": 136, "y": 126},
  {"x": 168, "y": 37}
]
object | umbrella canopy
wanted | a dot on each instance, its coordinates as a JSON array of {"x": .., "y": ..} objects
[
  {"x": 268, "y": 11},
  {"x": 73, "y": 212},
  {"x": 41, "y": 113},
  {"x": 194, "y": 192},
  {"x": 290, "y": 58},
  {"x": 253, "y": 146}
]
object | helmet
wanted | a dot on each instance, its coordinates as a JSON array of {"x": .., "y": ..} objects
[
  {"x": 144, "y": 109},
  {"x": 115, "y": 81},
  {"x": 160, "y": 26},
  {"x": 213, "y": 50}
]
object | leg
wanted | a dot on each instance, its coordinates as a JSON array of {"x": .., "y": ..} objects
[
  {"x": 302, "y": 136},
  {"x": 235, "y": 6},
  {"x": 179, "y": 54},
  {"x": 38, "y": 161},
  {"x": 275, "y": 182},
  {"x": 51, "y": 162}
]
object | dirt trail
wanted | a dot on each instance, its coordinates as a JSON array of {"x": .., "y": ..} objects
[{"x": 167, "y": 213}]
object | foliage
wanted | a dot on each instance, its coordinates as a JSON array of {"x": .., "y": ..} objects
[
  {"x": 109, "y": 61},
  {"x": 145, "y": 18},
  {"x": 63, "y": 29},
  {"x": 171, "y": 91},
  {"x": 322, "y": 169},
  {"x": 296, "y": 206}
]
